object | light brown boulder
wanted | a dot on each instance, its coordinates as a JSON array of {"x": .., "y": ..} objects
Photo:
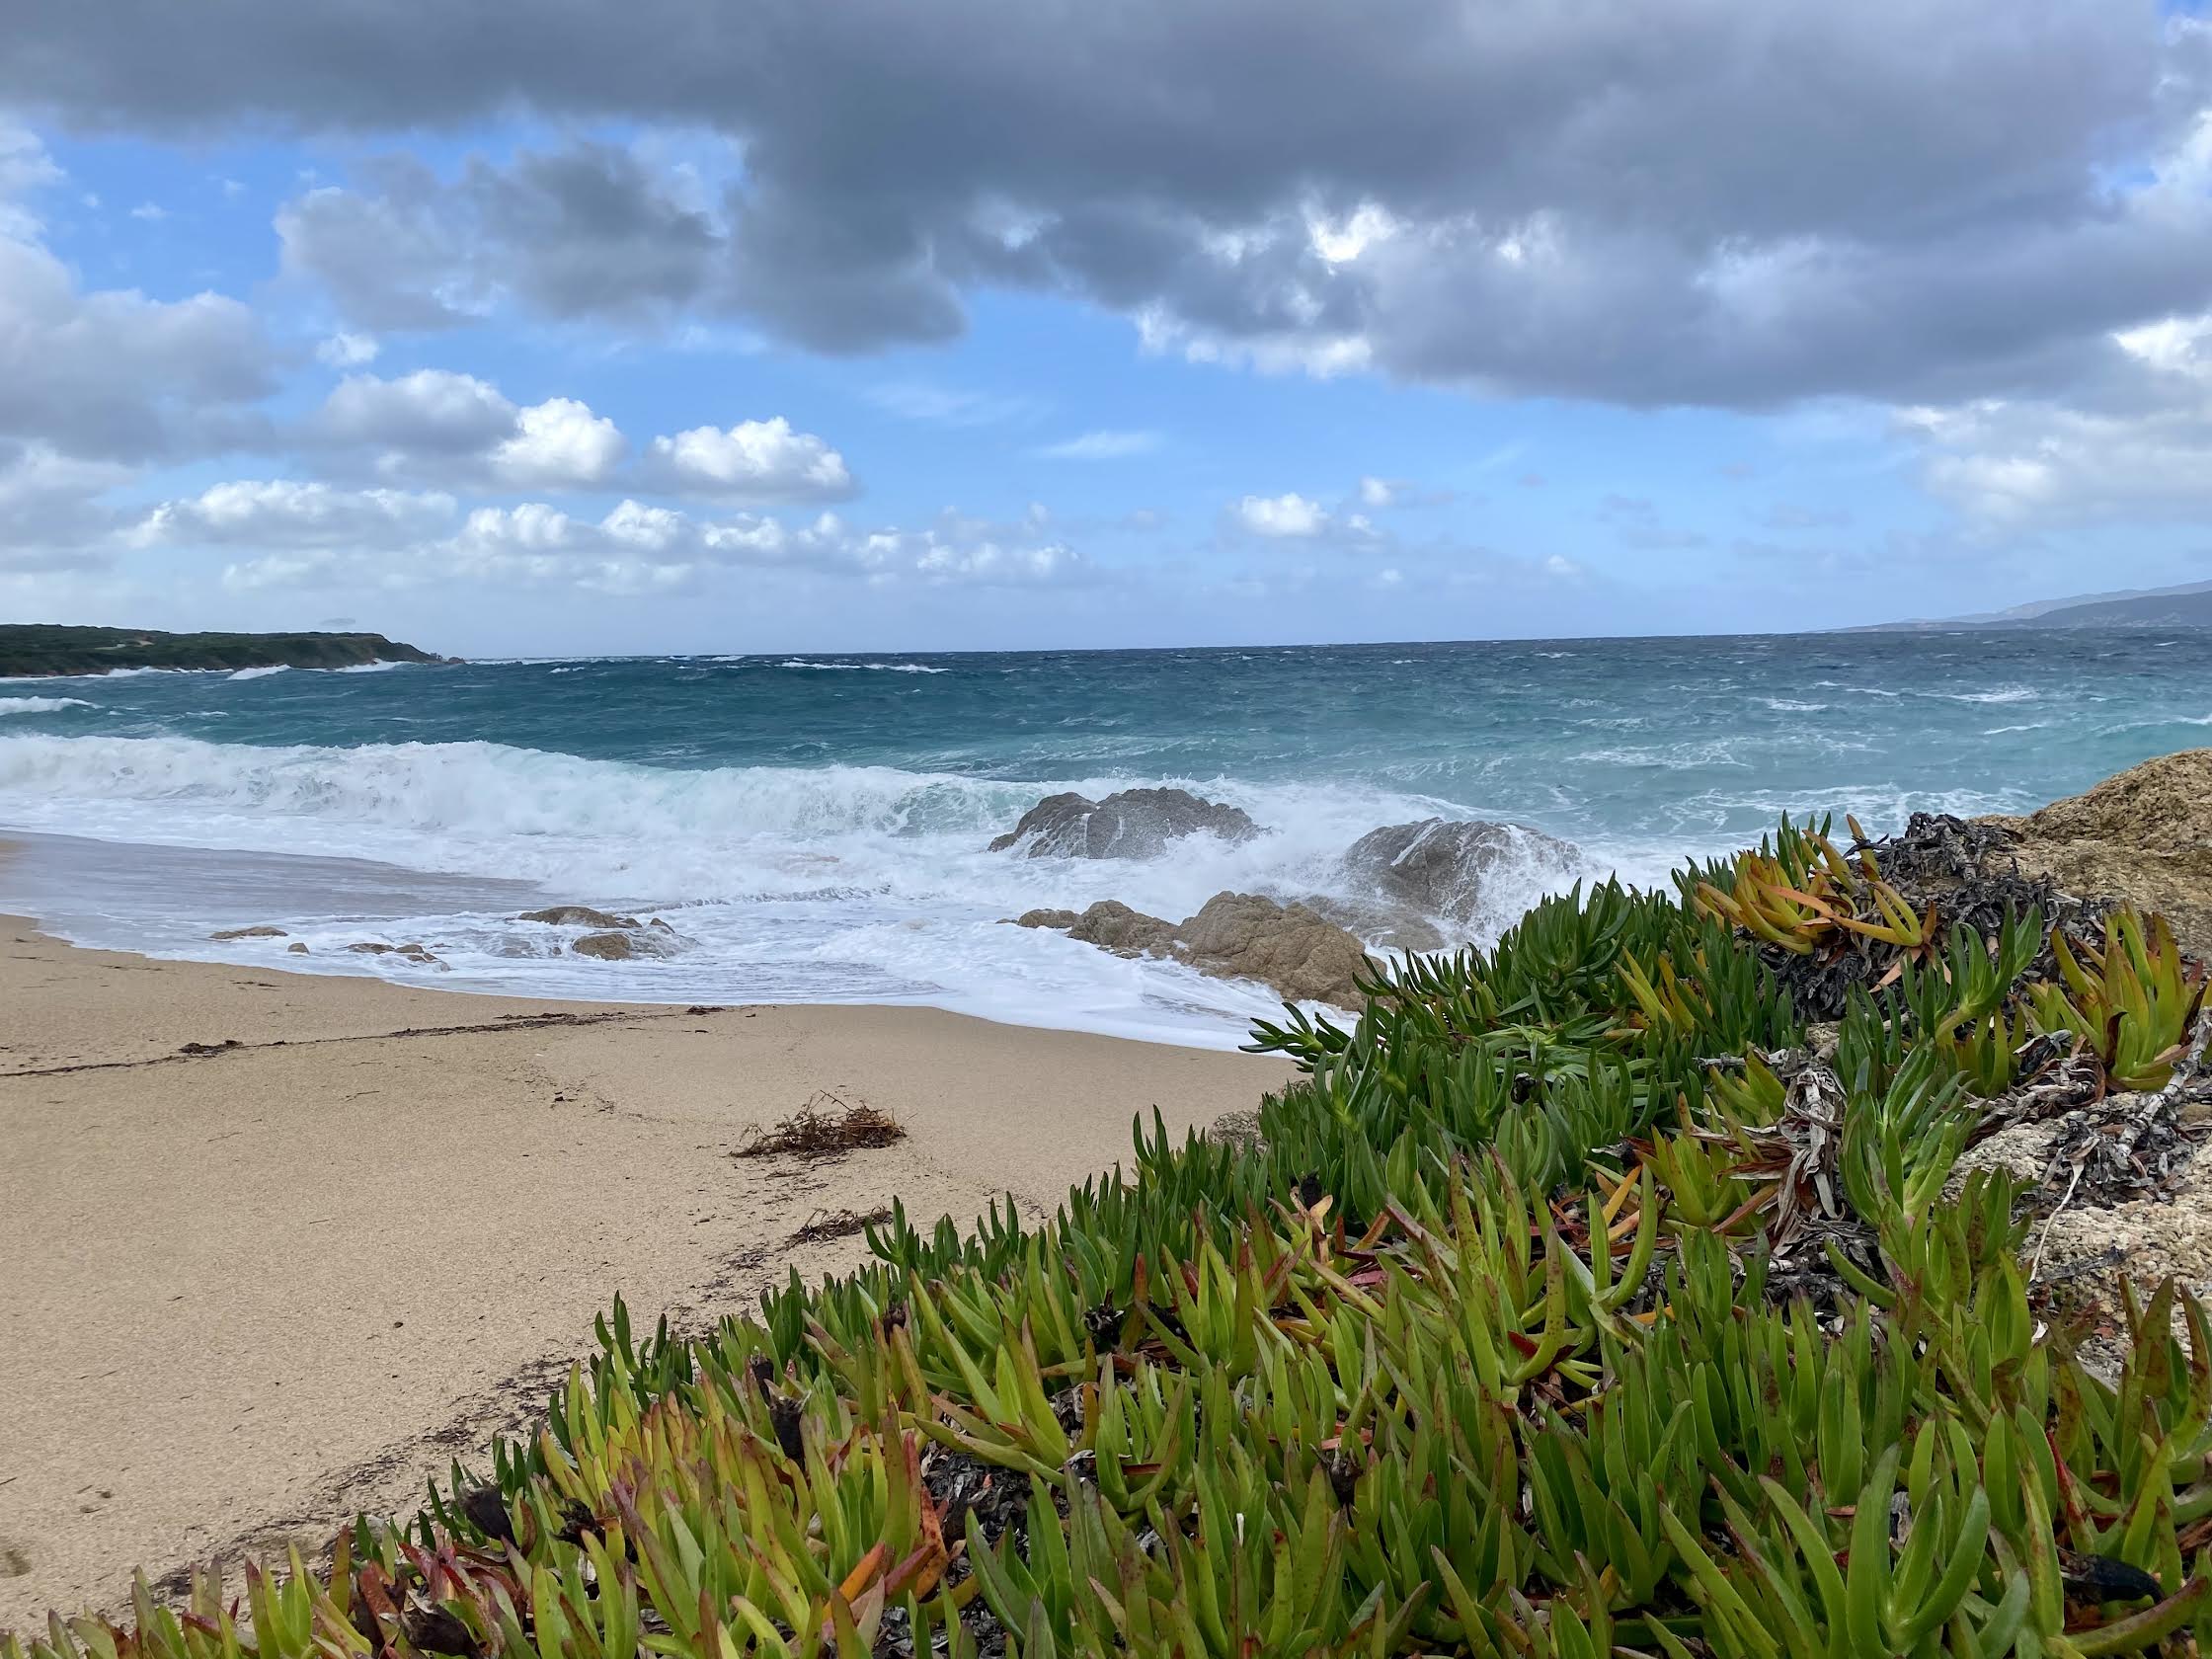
[
  {"x": 2144, "y": 835},
  {"x": 1111, "y": 925},
  {"x": 607, "y": 947},
  {"x": 579, "y": 916},
  {"x": 263, "y": 932},
  {"x": 1302, "y": 956},
  {"x": 1298, "y": 955}
]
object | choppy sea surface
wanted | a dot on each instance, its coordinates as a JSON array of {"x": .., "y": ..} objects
[{"x": 815, "y": 827}]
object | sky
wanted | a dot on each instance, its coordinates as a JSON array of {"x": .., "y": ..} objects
[{"x": 830, "y": 324}]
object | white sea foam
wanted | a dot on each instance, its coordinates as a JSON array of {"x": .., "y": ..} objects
[
  {"x": 262, "y": 673},
  {"x": 851, "y": 668},
  {"x": 41, "y": 705},
  {"x": 379, "y": 667},
  {"x": 837, "y": 883}
]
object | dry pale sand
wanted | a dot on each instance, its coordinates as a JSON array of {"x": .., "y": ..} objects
[{"x": 244, "y": 1293}]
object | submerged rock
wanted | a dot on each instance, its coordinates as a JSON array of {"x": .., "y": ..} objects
[
  {"x": 1439, "y": 866},
  {"x": 2144, "y": 835},
  {"x": 1132, "y": 824},
  {"x": 612, "y": 946},
  {"x": 581, "y": 916},
  {"x": 1300, "y": 955},
  {"x": 263, "y": 932},
  {"x": 296, "y": 948},
  {"x": 413, "y": 952}
]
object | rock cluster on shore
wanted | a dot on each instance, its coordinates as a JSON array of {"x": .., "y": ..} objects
[
  {"x": 1300, "y": 955},
  {"x": 1416, "y": 887}
]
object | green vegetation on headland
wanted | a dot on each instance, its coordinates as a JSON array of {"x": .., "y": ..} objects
[
  {"x": 1615, "y": 1291},
  {"x": 39, "y": 649}
]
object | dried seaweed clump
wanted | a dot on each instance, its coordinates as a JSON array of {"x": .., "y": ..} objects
[{"x": 824, "y": 1128}]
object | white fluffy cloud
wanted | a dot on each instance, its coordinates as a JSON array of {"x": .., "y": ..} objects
[
  {"x": 316, "y": 536},
  {"x": 2140, "y": 449},
  {"x": 754, "y": 461},
  {"x": 282, "y": 513},
  {"x": 558, "y": 444},
  {"x": 1288, "y": 516},
  {"x": 441, "y": 427}
]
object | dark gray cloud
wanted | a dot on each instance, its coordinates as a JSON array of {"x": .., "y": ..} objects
[
  {"x": 1643, "y": 201},
  {"x": 584, "y": 230}
]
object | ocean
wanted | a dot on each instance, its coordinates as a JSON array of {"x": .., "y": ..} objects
[{"x": 814, "y": 829}]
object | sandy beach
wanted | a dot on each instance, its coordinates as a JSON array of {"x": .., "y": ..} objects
[{"x": 278, "y": 1247}]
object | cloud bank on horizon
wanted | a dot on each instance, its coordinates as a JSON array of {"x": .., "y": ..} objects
[{"x": 833, "y": 323}]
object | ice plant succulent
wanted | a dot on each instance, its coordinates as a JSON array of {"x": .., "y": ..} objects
[{"x": 1498, "y": 1340}]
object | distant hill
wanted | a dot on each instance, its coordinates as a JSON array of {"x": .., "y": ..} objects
[
  {"x": 28, "y": 649},
  {"x": 2187, "y": 606}
]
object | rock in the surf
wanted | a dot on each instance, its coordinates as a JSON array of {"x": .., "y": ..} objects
[
  {"x": 1111, "y": 925},
  {"x": 1130, "y": 823},
  {"x": 611, "y": 945},
  {"x": 1439, "y": 866},
  {"x": 262, "y": 932},
  {"x": 1300, "y": 956},
  {"x": 579, "y": 916},
  {"x": 415, "y": 952}
]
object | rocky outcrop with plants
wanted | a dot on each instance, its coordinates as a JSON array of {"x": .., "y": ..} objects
[
  {"x": 2145, "y": 836},
  {"x": 1630, "y": 1289}
]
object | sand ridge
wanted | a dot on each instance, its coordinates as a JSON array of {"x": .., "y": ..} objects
[{"x": 247, "y": 1290}]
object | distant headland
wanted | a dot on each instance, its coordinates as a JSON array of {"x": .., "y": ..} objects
[{"x": 41, "y": 649}]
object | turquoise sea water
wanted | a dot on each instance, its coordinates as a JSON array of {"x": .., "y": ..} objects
[{"x": 814, "y": 828}]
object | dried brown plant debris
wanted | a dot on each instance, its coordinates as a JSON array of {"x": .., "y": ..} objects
[
  {"x": 827, "y": 1126},
  {"x": 825, "y": 1224}
]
